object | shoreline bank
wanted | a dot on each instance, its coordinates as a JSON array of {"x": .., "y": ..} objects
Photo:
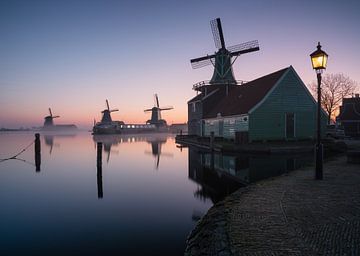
[{"x": 292, "y": 214}]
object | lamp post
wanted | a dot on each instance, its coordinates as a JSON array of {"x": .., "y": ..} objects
[{"x": 319, "y": 62}]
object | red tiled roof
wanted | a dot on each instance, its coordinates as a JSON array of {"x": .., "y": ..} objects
[{"x": 242, "y": 98}]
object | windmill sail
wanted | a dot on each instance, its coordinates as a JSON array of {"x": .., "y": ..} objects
[{"x": 222, "y": 59}]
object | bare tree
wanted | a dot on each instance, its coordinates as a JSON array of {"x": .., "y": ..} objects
[{"x": 334, "y": 87}]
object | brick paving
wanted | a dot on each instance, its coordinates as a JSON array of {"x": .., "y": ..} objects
[{"x": 288, "y": 215}]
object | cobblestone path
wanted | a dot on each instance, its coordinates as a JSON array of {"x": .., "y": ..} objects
[{"x": 288, "y": 215}]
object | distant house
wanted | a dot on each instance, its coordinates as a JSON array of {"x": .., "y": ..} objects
[
  {"x": 349, "y": 116},
  {"x": 277, "y": 106}
]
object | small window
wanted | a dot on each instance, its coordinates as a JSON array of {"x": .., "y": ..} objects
[{"x": 194, "y": 106}]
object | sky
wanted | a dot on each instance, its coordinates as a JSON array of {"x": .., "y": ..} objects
[{"x": 73, "y": 55}]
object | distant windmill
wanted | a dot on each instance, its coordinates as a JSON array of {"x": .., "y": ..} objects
[
  {"x": 222, "y": 59},
  {"x": 49, "y": 119},
  {"x": 156, "y": 113},
  {"x": 106, "y": 118}
]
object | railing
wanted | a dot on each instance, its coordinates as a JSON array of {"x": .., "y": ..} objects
[{"x": 201, "y": 84}]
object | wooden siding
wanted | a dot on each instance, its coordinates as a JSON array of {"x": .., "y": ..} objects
[
  {"x": 230, "y": 125},
  {"x": 195, "y": 113},
  {"x": 267, "y": 121}
]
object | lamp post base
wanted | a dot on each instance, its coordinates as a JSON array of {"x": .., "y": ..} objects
[{"x": 319, "y": 161}]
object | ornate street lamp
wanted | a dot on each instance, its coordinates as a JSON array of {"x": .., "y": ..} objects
[{"x": 319, "y": 62}]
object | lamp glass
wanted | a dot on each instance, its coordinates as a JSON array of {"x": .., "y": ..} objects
[{"x": 319, "y": 61}]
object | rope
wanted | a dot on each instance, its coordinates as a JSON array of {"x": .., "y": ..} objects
[{"x": 15, "y": 156}]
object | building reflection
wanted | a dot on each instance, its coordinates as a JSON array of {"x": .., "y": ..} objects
[{"x": 219, "y": 175}]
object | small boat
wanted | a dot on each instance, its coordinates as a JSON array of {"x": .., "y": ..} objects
[{"x": 119, "y": 127}]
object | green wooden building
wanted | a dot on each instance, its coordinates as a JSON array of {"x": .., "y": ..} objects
[{"x": 277, "y": 106}]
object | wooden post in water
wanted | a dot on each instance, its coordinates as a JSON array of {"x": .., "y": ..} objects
[
  {"x": 37, "y": 152},
  {"x": 99, "y": 170}
]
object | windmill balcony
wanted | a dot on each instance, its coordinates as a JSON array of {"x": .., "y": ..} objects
[{"x": 198, "y": 86}]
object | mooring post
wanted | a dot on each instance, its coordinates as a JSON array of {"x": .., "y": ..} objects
[
  {"x": 37, "y": 152},
  {"x": 181, "y": 132},
  {"x": 99, "y": 170}
]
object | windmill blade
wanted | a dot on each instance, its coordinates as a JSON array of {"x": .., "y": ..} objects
[
  {"x": 156, "y": 100},
  {"x": 55, "y": 116},
  {"x": 167, "y": 108},
  {"x": 50, "y": 111},
  {"x": 217, "y": 32},
  {"x": 238, "y": 49},
  {"x": 148, "y": 110},
  {"x": 107, "y": 104},
  {"x": 113, "y": 110},
  {"x": 202, "y": 63},
  {"x": 207, "y": 57}
]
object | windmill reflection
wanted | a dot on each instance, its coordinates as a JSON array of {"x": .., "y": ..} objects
[
  {"x": 108, "y": 141},
  {"x": 156, "y": 143},
  {"x": 49, "y": 139}
]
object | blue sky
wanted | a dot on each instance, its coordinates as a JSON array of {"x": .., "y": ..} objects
[{"x": 72, "y": 55}]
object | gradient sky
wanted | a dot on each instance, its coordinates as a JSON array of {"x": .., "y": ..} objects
[{"x": 72, "y": 55}]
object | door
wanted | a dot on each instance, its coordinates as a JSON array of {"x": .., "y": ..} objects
[{"x": 290, "y": 125}]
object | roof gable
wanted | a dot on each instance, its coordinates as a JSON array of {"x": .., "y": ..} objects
[{"x": 243, "y": 98}]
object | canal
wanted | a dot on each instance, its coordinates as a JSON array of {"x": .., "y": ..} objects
[{"x": 143, "y": 197}]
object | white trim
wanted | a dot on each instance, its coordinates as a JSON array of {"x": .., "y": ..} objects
[
  {"x": 269, "y": 92},
  {"x": 225, "y": 117}
]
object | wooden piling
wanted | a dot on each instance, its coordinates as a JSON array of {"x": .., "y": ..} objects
[
  {"x": 99, "y": 170},
  {"x": 37, "y": 152}
]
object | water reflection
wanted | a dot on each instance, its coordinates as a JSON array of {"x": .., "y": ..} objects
[
  {"x": 155, "y": 140},
  {"x": 59, "y": 203},
  {"x": 156, "y": 143},
  {"x": 49, "y": 139},
  {"x": 219, "y": 175}
]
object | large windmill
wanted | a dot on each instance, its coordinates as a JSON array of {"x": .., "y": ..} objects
[
  {"x": 156, "y": 113},
  {"x": 106, "y": 118},
  {"x": 49, "y": 119},
  {"x": 224, "y": 58}
]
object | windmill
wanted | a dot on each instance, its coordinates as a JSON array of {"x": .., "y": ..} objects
[
  {"x": 224, "y": 58},
  {"x": 156, "y": 113},
  {"x": 49, "y": 119},
  {"x": 106, "y": 118}
]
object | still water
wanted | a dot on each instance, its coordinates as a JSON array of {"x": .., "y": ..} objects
[{"x": 143, "y": 199}]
